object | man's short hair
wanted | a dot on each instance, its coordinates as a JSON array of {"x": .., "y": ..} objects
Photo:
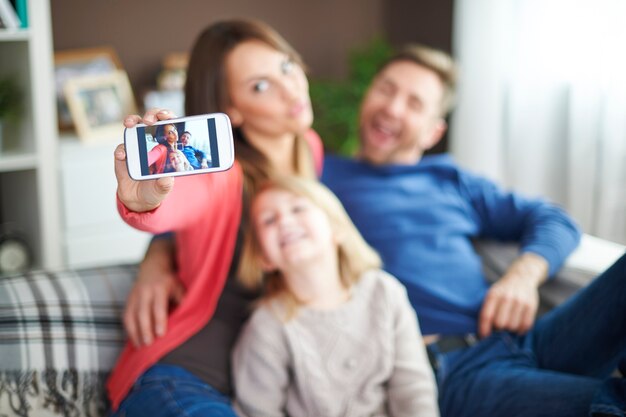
[
  {"x": 187, "y": 132},
  {"x": 435, "y": 60}
]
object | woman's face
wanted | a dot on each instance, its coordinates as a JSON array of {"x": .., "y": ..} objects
[
  {"x": 171, "y": 134},
  {"x": 269, "y": 93}
]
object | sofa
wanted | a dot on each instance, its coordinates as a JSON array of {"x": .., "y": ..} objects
[{"x": 60, "y": 332}]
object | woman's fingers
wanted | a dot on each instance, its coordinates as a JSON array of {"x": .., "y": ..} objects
[
  {"x": 154, "y": 115},
  {"x": 131, "y": 120}
]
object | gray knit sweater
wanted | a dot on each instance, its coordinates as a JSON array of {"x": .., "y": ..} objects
[{"x": 365, "y": 358}]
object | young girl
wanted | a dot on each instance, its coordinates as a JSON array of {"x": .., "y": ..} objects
[
  {"x": 334, "y": 335},
  {"x": 178, "y": 162}
]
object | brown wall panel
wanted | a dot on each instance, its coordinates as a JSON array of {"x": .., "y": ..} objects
[
  {"x": 425, "y": 21},
  {"x": 143, "y": 31}
]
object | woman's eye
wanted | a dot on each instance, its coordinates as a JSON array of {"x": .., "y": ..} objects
[
  {"x": 267, "y": 221},
  {"x": 287, "y": 66},
  {"x": 299, "y": 208},
  {"x": 261, "y": 86}
]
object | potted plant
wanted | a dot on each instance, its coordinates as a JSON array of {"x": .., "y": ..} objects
[
  {"x": 10, "y": 102},
  {"x": 336, "y": 103}
]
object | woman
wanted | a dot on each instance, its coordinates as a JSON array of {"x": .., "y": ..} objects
[
  {"x": 248, "y": 71},
  {"x": 159, "y": 156}
]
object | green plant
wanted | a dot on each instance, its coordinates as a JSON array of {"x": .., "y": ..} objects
[
  {"x": 336, "y": 103},
  {"x": 10, "y": 99}
]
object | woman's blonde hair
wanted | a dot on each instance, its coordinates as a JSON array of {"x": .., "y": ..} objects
[{"x": 354, "y": 255}]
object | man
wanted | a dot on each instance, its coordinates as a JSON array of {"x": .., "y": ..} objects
[
  {"x": 196, "y": 157},
  {"x": 421, "y": 214}
]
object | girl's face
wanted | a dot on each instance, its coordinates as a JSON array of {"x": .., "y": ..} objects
[
  {"x": 292, "y": 231},
  {"x": 176, "y": 160},
  {"x": 269, "y": 93}
]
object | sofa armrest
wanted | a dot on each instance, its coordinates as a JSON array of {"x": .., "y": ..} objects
[{"x": 593, "y": 256}]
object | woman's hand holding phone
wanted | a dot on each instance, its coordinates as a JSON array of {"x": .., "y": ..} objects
[{"x": 140, "y": 196}]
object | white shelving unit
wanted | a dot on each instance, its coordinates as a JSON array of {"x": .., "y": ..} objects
[
  {"x": 29, "y": 192},
  {"x": 93, "y": 233}
]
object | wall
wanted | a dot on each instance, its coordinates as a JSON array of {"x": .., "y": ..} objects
[
  {"x": 143, "y": 31},
  {"x": 425, "y": 21}
]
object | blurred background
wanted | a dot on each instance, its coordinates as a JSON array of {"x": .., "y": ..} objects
[{"x": 541, "y": 103}]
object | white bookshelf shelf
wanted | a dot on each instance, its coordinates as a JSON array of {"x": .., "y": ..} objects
[
  {"x": 10, "y": 35},
  {"x": 13, "y": 161}
]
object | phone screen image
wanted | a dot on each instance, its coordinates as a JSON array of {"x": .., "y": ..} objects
[{"x": 178, "y": 146}]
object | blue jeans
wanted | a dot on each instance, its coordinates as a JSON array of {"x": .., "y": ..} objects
[
  {"x": 561, "y": 367},
  {"x": 168, "y": 391}
]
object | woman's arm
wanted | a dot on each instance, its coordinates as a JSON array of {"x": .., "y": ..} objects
[
  {"x": 138, "y": 196},
  {"x": 156, "y": 153},
  {"x": 412, "y": 390}
]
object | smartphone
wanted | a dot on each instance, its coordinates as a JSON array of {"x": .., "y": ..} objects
[{"x": 175, "y": 147}]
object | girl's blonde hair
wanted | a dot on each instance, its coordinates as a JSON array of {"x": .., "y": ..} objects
[{"x": 354, "y": 255}]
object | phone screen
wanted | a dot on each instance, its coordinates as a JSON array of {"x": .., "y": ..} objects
[{"x": 178, "y": 146}]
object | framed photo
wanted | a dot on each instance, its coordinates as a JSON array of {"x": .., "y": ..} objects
[
  {"x": 99, "y": 103},
  {"x": 75, "y": 63}
]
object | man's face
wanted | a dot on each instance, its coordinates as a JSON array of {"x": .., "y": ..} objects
[
  {"x": 184, "y": 139},
  {"x": 401, "y": 114}
]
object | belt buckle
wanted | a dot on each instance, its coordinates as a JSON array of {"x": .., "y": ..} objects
[
  {"x": 470, "y": 339},
  {"x": 438, "y": 348}
]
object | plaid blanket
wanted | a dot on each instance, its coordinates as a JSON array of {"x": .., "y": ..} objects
[{"x": 60, "y": 334}]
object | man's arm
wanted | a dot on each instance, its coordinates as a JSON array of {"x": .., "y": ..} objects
[
  {"x": 547, "y": 235},
  {"x": 201, "y": 157},
  {"x": 512, "y": 302}
]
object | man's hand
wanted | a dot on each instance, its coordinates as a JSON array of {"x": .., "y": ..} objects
[
  {"x": 140, "y": 196},
  {"x": 145, "y": 316},
  {"x": 512, "y": 302}
]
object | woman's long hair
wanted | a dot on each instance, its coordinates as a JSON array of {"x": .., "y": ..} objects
[{"x": 206, "y": 90}]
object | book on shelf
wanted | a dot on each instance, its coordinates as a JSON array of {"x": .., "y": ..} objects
[
  {"x": 21, "y": 7},
  {"x": 8, "y": 15}
]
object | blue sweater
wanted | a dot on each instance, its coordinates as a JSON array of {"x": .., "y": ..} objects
[{"x": 422, "y": 220}]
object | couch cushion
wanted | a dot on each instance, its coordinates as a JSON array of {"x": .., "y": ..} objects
[{"x": 60, "y": 334}]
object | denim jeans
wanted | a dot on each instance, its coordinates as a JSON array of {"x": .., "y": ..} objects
[
  {"x": 562, "y": 367},
  {"x": 168, "y": 391}
]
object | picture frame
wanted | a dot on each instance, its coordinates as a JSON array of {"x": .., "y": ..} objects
[
  {"x": 75, "y": 63},
  {"x": 98, "y": 105}
]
